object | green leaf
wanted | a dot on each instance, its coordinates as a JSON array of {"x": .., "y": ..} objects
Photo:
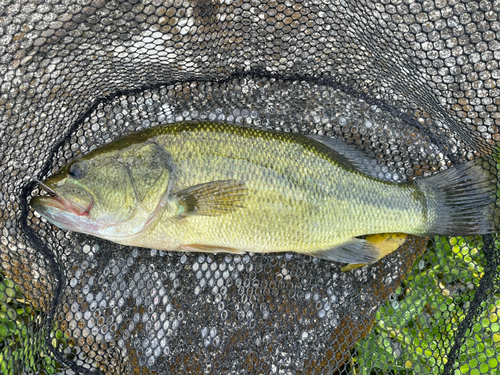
[{"x": 3, "y": 331}]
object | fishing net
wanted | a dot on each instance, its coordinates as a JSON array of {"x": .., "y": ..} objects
[{"x": 414, "y": 83}]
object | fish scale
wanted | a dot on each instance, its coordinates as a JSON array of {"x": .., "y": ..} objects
[{"x": 219, "y": 187}]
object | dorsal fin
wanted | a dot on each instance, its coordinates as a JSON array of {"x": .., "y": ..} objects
[{"x": 351, "y": 157}]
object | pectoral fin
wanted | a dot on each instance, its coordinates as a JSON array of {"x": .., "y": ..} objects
[
  {"x": 212, "y": 198},
  {"x": 354, "y": 251}
]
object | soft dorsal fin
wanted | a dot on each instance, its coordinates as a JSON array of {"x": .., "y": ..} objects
[
  {"x": 350, "y": 157},
  {"x": 212, "y": 198}
]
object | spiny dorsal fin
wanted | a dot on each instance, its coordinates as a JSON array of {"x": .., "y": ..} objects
[
  {"x": 351, "y": 157},
  {"x": 212, "y": 198}
]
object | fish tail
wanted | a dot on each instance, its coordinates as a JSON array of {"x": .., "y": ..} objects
[{"x": 462, "y": 199}]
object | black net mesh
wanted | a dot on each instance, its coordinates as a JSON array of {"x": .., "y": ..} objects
[{"x": 415, "y": 83}]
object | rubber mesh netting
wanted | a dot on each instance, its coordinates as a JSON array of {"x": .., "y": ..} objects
[{"x": 413, "y": 82}]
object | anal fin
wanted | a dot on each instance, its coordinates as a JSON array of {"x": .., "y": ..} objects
[
  {"x": 354, "y": 251},
  {"x": 386, "y": 242},
  {"x": 209, "y": 249}
]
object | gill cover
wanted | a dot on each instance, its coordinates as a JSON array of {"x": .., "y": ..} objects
[{"x": 149, "y": 171}]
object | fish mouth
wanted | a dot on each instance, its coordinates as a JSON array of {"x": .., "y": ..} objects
[
  {"x": 44, "y": 203},
  {"x": 65, "y": 213},
  {"x": 56, "y": 202}
]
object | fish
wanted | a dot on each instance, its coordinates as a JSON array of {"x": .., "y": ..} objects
[
  {"x": 387, "y": 244},
  {"x": 205, "y": 186}
]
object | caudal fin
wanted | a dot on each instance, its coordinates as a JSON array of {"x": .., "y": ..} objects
[{"x": 464, "y": 199}]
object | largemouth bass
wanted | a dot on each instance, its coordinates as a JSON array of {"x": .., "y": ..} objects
[{"x": 213, "y": 187}]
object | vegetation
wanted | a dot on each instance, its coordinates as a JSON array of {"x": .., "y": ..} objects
[
  {"x": 416, "y": 327},
  {"x": 21, "y": 334}
]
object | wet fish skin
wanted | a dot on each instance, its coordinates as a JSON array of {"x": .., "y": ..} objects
[{"x": 205, "y": 186}]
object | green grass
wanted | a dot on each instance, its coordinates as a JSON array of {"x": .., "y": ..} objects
[
  {"x": 21, "y": 335},
  {"x": 415, "y": 329}
]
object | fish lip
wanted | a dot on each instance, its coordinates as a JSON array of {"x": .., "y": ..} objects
[
  {"x": 60, "y": 203},
  {"x": 63, "y": 214}
]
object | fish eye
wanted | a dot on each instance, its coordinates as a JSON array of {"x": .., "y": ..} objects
[{"x": 77, "y": 170}]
